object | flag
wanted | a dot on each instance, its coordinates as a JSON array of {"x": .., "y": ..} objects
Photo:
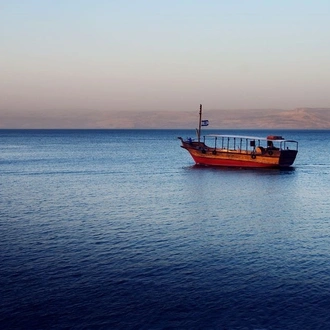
[{"x": 205, "y": 122}]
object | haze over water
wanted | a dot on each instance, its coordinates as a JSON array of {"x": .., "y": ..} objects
[{"x": 117, "y": 229}]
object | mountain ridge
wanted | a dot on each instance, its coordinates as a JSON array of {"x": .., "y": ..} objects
[{"x": 299, "y": 118}]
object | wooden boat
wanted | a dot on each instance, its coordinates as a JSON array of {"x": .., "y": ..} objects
[{"x": 240, "y": 151}]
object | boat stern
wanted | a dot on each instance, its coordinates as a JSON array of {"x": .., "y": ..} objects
[{"x": 287, "y": 157}]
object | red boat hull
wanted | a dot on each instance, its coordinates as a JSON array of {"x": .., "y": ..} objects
[
  {"x": 231, "y": 163},
  {"x": 203, "y": 155}
]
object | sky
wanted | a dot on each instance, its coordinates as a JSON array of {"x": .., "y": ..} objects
[{"x": 75, "y": 56}]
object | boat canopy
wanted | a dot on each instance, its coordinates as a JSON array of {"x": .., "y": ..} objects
[{"x": 268, "y": 138}]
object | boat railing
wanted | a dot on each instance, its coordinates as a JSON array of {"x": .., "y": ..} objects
[{"x": 248, "y": 144}]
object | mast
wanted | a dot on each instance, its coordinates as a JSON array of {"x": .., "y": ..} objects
[{"x": 200, "y": 123}]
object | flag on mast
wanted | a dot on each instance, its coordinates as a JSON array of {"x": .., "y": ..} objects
[{"x": 205, "y": 122}]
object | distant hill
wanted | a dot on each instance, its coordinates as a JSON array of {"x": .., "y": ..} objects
[{"x": 300, "y": 118}]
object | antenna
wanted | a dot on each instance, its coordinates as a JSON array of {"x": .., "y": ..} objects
[{"x": 200, "y": 123}]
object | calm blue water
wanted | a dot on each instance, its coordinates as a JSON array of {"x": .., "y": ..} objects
[{"x": 116, "y": 229}]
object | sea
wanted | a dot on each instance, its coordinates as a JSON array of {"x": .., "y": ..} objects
[{"x": 118, "y": 229}]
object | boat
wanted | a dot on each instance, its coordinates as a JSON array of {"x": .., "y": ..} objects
[{"x": 272, "y": 151}]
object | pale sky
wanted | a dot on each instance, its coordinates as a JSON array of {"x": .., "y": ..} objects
[{"x": 78, "y": 55}]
